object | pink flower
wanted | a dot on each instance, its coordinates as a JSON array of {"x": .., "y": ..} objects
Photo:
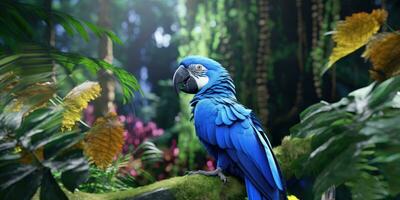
[
  {"x": 210, "y": 165},
  {"x": 175, "y": 152},
  {"x": 122, "y": 118},
  {"x": 133, "y": 172},
  {"x": 139, "y": 125}
]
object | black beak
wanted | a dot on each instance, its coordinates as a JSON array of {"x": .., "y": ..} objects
[{"x": 183, "y": 81}]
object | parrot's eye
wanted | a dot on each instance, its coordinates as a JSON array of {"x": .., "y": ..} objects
[{"x": 199, "y": 67}]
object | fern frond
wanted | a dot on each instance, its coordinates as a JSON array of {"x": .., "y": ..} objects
[
  {"x": 104, "y": 140},
  {"x": 77, "y": 100}
]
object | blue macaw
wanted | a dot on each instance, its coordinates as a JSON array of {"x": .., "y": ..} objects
[{"x": 231, "y": 133}]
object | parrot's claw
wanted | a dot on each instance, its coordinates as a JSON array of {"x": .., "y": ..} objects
[{"x": 217, "y": 172}]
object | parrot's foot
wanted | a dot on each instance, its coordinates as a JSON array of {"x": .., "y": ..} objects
[{"x": 217, "y": 172}]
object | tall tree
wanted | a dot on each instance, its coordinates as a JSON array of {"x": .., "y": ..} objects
[
  {"x": 263, "y": 54},
  {"x": 105, "y": 103},
  {"x": 49, "y": 36}
]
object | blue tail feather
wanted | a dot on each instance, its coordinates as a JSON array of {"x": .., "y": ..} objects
[{"x": 254, "y": 194}]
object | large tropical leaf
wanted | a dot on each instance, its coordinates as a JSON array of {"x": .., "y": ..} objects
[
  {"x": 42, "y": 147},
  {"x": 355, "y": 142}
]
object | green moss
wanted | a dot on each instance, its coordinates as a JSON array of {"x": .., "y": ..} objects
[
  {"x": 291, "y": 153},
  {"x": 194, "y": 187}
]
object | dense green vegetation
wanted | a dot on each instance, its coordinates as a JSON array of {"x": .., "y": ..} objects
[{"x": 67, "y": 92}]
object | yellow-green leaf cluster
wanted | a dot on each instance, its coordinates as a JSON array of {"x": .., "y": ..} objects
[
  {"x": 354, "y": 32},
  {"x": 384, "y": 53},
  {"x": 77, "y": 100},
  {"x": 31, "y": 98},
  {"x": 104, "y": 141}
]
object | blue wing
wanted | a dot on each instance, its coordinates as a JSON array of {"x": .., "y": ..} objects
[{"x": 229, "y": 126}]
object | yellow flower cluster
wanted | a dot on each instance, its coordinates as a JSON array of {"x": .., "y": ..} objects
[{"x": 77, "y": 100}]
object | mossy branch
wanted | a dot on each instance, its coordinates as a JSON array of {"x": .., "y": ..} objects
[
  {"x": 195, "y": 187},
  {"x": 198, "y": 187}
]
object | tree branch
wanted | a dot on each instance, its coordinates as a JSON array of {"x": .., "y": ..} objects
[
  {"x": 198, "y": 187},
  {"x": 184, "y": 187}
]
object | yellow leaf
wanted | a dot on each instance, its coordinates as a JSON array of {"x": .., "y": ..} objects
[
  {"x": 292, "y": 197},
  {"x": 77, "y": 100},
  {"x": 32, "y": 98},
  {"x": 354, "y": 32},
  {"x": 384, "y": 53},
  {"x": 104, "y": 141}
]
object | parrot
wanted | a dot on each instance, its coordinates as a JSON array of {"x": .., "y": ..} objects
[{"x": 230, "y": 132}]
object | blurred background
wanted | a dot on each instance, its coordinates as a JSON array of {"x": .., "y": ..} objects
[{"x": 273, "y": 49}]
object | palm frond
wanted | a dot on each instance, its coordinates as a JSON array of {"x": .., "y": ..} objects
[{"x": 18, "y": 17}]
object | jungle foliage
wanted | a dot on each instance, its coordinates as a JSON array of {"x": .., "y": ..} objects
[
  {"x": 351, "y": 145},
  {"x": 354, "y": 142},
  {"x": 39, "y": 134}
]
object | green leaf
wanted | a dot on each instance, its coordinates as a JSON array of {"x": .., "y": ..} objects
[
  {"x": 384, "y": 91},
  {"x": 7, "y": 146},
  {"x": 355, "y": 142},
  {"x": 30, "y": 185},
  {"x": 71, "y": 179},
  {"x": 50, "y": 189},
  {"x": 12, "y": 173},
  {"x": 60, "y": 143},
  {"x": 368, "y": 186}
]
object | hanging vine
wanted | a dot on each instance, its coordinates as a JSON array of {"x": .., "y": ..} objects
[
  {"x": 317, "y": 8},
  {"x": 324, "y": 20}
]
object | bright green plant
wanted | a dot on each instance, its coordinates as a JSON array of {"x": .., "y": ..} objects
[{"x": 355, "y": 142}]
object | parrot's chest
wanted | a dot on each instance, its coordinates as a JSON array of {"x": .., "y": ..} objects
[{"x": 204, "y": 121}]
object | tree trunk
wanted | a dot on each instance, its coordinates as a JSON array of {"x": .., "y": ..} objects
[
  {"x": 50, "y": 36},
  {"x": 105, "y": 103},
  {"x": 263, "y": 54}
]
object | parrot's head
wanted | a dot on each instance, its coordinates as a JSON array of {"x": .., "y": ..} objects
[{"x": 195, "y": 72}]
